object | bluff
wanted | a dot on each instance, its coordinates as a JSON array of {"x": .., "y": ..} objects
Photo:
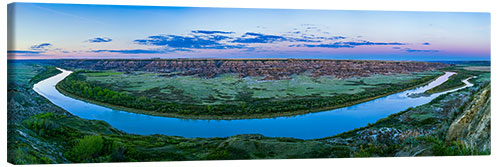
[
  {"x": 270, "y": 69},
  {"x": 473, "y": 126}
]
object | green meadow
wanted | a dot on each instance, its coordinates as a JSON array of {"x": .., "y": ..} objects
[{"x": 227, "y": 87}]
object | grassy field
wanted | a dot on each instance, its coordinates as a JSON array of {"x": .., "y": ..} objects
[
  {"x": 228, "y": 87},
  {"x": 478, "y": 68},
  {"x": 22, "y": 73}
]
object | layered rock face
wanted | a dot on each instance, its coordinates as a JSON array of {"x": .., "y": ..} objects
[
  {"x": 270, "y": 69},
  {"x": 473, "y": 126}
]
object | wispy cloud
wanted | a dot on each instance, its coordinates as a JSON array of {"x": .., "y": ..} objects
[
  {"x": 211, "y": 32},
  {"x": 190, "y": 42},
  {"x": 251, "y": 37},
  {"x": 347, "y": 44},
  {"x": 24, "y": 51},
  {"x": 420, "y": 51},
  {"x": 67, "y": 14},
  {"x": 248, "y": 42},
  {"x": 34, "y": 49},
  {"x": 132, "y": 51},
  {"x": 140, "y": 51},
  {"x": 372, "y": 43},
  {"x": 42, "y": 46},
  {"x": 331, "y": 45},
  {"x": 99, "y": 40}
]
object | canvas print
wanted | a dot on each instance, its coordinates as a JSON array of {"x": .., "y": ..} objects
[{"x": 114, "y": 83}]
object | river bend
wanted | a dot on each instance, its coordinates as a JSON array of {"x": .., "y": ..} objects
[{"x": 307, "y": 126}]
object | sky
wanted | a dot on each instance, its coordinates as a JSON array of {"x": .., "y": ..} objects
[{"x": 71, "y": 31}]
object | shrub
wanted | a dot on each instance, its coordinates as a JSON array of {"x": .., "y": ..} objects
[{"x": 86, "y": 149}]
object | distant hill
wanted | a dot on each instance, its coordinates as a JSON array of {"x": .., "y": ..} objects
[
  {"x": 469, "y": 63},
  {"x": 271, "y": 69}
]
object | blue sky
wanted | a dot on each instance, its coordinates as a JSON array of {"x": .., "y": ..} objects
[{"x": 51, "y": 31}]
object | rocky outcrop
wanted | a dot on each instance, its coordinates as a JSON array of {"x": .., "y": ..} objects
[
  {"x": 24, "y": 145},
  {"x": 270, "y": 69},
  {"x": 23, "y": 103},
  {"x": 472, "y": 127}
]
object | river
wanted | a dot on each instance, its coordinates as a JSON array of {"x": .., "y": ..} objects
[{"x": 307, "y": 126}]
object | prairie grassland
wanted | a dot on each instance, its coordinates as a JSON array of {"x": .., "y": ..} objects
[
  {"x": 104, "y": 73},
  {"x": 227, "y": 87},
  {"x": 478, "y": 68},
  {"x": 21, "y": 73}
]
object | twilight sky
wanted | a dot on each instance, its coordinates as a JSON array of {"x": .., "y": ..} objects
[{"x": 54, "y": 31}]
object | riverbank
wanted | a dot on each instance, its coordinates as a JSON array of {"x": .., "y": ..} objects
[
  {"x": 456, "y": 80},
  {"x": 450, "y": 88},
  {"x": 236, "y": 117},
  {"x": 414, "y": 132}
]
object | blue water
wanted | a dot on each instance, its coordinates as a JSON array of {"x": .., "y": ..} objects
[{"x": 307, "y": 126}]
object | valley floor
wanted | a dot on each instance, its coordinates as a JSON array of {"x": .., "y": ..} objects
[
  {"x": 201, "y": 98},
  {"x": 457, "y": 123}
]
